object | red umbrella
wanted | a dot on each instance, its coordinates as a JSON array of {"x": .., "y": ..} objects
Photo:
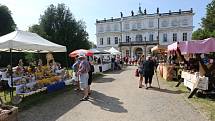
[{"x": 81, "y": 51}]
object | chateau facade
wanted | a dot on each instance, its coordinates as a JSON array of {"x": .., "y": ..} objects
[{"x": 136, "y": 34}]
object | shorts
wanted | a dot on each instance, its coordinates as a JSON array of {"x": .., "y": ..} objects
[
  {"x": 141, "y": 72},
  {"x": 83, "y": 80}
]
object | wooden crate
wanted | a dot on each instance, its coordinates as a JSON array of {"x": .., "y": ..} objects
[{"x": 12, "y": 115}]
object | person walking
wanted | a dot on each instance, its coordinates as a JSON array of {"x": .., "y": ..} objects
[
  {"x": 113, "y": 59},
  {"x": 83, "y": 70},
  {"x": 141, "y": 70},
  {"x": 148, "y": 71},
  {"x": 90, "y": 73},
  {"x": 75, "y": 68}
]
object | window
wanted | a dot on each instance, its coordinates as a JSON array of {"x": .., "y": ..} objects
[
  {"x": 139, "y": 38},
  {"x": 116, "y": 40},
  {"x": 101, "y": 41},
  {"x": 108, "y": 28},
  {"x": 184, "y": 36},
  {"x": 127, "y": 26},
  {"x": 101, "y": 29},
  {"x": 164, "y": 37},
  {"x": 164, "y": 23},
  {"x": 116, "y": 28},
  {"x": 174, "y": 37},
  {"x": 108, "y": 40},
  {"x": 134, "y": 26},
  {"x": 151, "y": 37},
  {"x": 127, "y": 38},
  {"x": 127, "y": 52},
  {"x": 151, "y": 24},
  {"x": 185, "y": 22},
  {"x": 174, "y": 23},
  {"x": 139, "y": 26}
]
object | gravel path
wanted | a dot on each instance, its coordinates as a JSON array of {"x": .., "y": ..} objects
[{"x": 116, "y": 97}]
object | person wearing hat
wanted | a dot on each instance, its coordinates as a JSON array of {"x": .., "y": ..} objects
[
  {"x": 83, "y": 70},
  {"x": 148, "y": 71}
]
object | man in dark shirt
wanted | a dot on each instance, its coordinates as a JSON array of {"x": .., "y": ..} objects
[{"x": 149, "y": 66}]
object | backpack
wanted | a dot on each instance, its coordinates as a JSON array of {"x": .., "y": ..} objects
[
  {"x": 92, "y": 68},
  {"x": 88, "y": 68}
]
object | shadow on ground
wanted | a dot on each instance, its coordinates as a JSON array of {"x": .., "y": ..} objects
[
  {"x": 166, "y": 90},
  {"x": 107, "y": 103},
  {"x": 51, "y": 109},
  {"x": 115, "y": 71},
  {"x": 103, "y": 80}
]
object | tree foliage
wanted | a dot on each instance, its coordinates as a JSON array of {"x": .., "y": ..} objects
[
  {"x": 200, "y": 34},
  {"x": 7, "y": 24},
  {"x": 209, "y": 21},
  {"x": 58, "y": 25},
  {"x": 208, "y": 24}
]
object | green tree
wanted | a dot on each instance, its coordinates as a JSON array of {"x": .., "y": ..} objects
[
  {"x": 200, "y": 34},
  {"x": 7, "y": 24},
  {"x": 208, "y": 23},
  {"x": 62, "y": 28},
  {"x": 37, "y": 29},
  {"x": 58, "y": 25},
  {"x": 30, "y": 57}
]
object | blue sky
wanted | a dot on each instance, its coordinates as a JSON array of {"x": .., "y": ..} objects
[{"x": 27, "y": 12}]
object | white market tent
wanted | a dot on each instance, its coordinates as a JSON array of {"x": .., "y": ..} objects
[
  {"x": 23, "y": 41},
  {"x": 113, "y": 51},
  {"x": 96, "y": 51}
]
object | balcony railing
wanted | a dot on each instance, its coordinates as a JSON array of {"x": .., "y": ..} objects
[{"x": 133, "y": 43}]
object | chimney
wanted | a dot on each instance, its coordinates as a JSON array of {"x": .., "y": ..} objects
[
  {"x": 145, "y": 11},
  {"x": 157, "y": 10},
  {"x": 132, "y": 13},
  {"x": 191, "y": 9},
  {"x": 121, "y": 14}
]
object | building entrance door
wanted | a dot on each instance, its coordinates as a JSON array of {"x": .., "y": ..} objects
[{"x": 138, "y": 52}]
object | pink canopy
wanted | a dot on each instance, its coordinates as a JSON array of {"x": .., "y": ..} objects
[
  {"x": 194, "y": 46},
  {"x": 173, "y": 46}
]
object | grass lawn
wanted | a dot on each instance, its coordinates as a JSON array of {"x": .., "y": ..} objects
[{"x": 205, "y": 105}]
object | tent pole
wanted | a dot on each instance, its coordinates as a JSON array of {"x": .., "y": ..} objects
[
  {"x": 11, "y": 73},
  {"x": 67, "y": 65}
]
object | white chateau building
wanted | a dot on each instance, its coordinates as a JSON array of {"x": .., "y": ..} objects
[{"x": 137, "y": 34}]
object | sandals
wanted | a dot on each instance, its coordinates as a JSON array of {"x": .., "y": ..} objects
[{"x": 84, "y": 99}]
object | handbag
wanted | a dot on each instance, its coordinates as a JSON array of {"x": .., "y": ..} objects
[{"x": 137, "y": 73}]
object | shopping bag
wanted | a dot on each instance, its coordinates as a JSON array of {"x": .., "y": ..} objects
[{"x": 137, "y": 73}]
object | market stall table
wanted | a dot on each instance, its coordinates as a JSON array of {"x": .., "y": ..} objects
[
  {"x": 168, "y": 72},
  {"x": 102, "y": 67},
  {"x": 194, "y": 80}
]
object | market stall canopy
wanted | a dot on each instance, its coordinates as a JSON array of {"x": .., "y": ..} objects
[
  {"x": 113, "y": 51},
  {"x": 173, "y": 46},
  {"x": 80, "y": 51},
  {"x": 95, "y": 51},
  {"x": 194, "y": 46},
  {"x": 159, "y": 48},
  {"x": 23, "y": 41}
]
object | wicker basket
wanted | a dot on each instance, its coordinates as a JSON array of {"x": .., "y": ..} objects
[{"x": 12, "y": 115}]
